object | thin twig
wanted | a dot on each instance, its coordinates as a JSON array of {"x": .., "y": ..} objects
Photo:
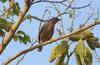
[
  {"x": 41, "y": 20},
  {"x": 68, "y": 56},
  {"x": 49, "y": 1},
  {"x": 62, "y": 26},
  {"x": 89, "y": 17},
  {"x": 78, "y": 7}
]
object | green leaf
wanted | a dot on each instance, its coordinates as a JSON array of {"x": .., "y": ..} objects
[
  {"x": 3, "y": 1},
  {"x": 70, "y": 11},
  {"x": 64, "y": 44},
  {"x": 88, "y": 58},
  {"x": 87, "y": 34},
  {"x": 23, "y": 37},
  {"x": 4, "y": 24},
  {"x": 83, "y": 54},
  {"x": 91, "y": 46},
  {"x": 53, "y": 54},
  {"x": 15, "y": 9},
  {"x": 83, "y": 35},
  {"x": 75, "y": 37},
  {"x": 2, "y": 20},
  {"x": 28, "y": 17},
  {"x": 58, "y": 51},
  {"x": 60, "y": 60},
  {"x": 78, "y": 60},
  {"x": 79, "y": 52},
  {"x": 20, "y": 32},
  {"x": 16, "y": 37},
  {"x": 27, "y": 38},
  {"x": 93, "y": 43}
]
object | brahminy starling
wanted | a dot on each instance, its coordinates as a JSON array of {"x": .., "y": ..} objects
[{"x": 47, "y": 31}]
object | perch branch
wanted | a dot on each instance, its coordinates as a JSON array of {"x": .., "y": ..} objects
[{"x": 49, "y": 42}]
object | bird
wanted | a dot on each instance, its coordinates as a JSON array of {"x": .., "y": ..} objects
[{"x": 47, "y": 31}]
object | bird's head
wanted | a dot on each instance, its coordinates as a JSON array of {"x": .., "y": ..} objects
[{"x": 54, "y": 20}]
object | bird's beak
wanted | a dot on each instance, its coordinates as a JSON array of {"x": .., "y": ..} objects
[{"x": 59, "y": 19}]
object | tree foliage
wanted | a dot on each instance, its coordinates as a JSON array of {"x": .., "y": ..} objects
[{"x": 13, "y": 15}]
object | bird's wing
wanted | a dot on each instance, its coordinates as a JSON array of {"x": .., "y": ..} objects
[{"x": 42, "y": 31}]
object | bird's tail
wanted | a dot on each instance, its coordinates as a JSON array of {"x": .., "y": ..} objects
[{"x": 40, "y": 49}]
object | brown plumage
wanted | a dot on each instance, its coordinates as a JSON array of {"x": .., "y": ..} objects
[{"x": 47, "y": 31}]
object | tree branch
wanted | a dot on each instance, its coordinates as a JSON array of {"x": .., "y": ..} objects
[
  {"x": 50, "y": 1},
  {"x": 15, "y": 26},
  {"x": 49, "y": 42},
  {"x": 41, "y": 20}
]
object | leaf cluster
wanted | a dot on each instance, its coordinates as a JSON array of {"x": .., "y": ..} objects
[
  {"x": 21, "y": 36},
  {"x": 83, "y": 54},
  {"x": 3, "y": 1},
  {"x": 59, "y": 52},
  {"x": 92, "y": 41}
]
